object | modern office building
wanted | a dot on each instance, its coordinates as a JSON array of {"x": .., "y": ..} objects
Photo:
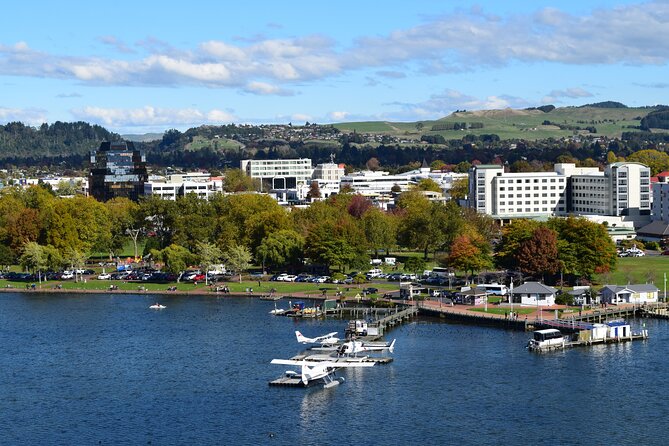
[
  {"x": 170, "y": 187},
  {"x": 280, "y": 174},
  {"x": 118, "y": 169}
]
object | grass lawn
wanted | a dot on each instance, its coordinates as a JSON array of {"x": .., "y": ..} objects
[
  {"x": 498, "y": 310},
  {"x": 313, "y": 289},
  {"x": 637, "y": 270}
]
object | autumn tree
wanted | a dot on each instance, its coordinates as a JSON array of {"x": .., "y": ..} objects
[
  {"x": 468, "y": 254},
  {"x": 314, "y": 191},
  {"x": 538, "y": 255}
]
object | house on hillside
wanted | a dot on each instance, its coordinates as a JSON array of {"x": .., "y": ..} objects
[
  {"x": 534, "y": 293},
  {"x": 629, "y": 294}
]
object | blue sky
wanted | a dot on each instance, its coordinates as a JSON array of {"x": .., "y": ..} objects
[{"x": 145, "y": 66}]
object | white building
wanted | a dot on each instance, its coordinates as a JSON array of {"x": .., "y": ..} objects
[
  {"x": 622, "y": 190},
  {"x": 534, "y": 294},
  {"x": 375, "y": 183},
  {"x": 328, "y": 177},
  {"x": 516, "y": 195},
  {"x": 660, "y": 204},
  {"x": 169, "y": 188},
  {"x": 282, "y": 174}
]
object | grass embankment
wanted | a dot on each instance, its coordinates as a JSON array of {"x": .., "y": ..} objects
[
  {"x": 282, "y": 288},
  {"x": 645, "y": 269}
]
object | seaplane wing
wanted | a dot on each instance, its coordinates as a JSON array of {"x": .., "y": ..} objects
[
  {"x": 326, "y": 364},
  {"x": 324, "y": 370},
  {"x": 324, "y": 340}
]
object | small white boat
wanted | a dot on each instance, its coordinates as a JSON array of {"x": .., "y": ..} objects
[
  {"x": 547, "y": 339},
  {"x": 277, "y": 311},
  {"x": 157, "y": 306}
]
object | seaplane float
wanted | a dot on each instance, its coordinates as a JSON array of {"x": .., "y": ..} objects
[
  {"x": 318, "y": 371},
  {"x": 157, "y": 306},
  {"x": 330, "y": 343}
]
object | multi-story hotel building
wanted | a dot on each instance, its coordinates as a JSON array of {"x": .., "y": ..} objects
[{"x": 622, "y": 190}]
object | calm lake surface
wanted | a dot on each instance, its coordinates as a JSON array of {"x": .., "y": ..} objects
[{"x": 104, "y": 369}]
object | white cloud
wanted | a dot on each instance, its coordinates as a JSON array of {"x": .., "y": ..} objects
[
  {"x": 636, "y": 34},
  {"x": 572, "y": 93},
  {"x": 116, "y": 44},
  {"x": 146, "y": 117},
  {"x": 338, "y": 116},
  {"x": 29, "y": 116},
  {"x": 263, "y": 88}
]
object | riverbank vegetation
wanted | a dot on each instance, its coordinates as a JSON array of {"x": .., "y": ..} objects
[{"x": 43, "y": 232}]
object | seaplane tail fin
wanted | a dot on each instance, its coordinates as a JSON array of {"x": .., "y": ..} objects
[
  {"x": 301, "y": 338},
  {"x": 391, "y": 349}
]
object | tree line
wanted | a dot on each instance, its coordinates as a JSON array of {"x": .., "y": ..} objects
[{"x": 41, "y": 231}]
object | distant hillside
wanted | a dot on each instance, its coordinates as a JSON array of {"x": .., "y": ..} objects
[
  {"x": 60, "y": 141},
  {"x": 608, "y": 119},
  {"x": 145, "y": 137}
]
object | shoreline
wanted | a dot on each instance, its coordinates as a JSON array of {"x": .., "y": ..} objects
[{"x": 195, "y": 292}]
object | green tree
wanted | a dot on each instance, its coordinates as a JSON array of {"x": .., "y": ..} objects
[
  {"x": 656, "y": 160},
  {"x": 380, "y": 230},
  {"x": 33, "y": 258},
  {"x": 237, "y": 181},
  {"x": 415, "y": 265},
  {"x": 281, "y": 248},
  {"x": 175, "y": 257},
  {"x": 459, "y": 189},
  {"x": 584, "y": 247},
  {"x": 428, "y": 184},
  {"x": 7, "y": 257},
  {"x": 208, "y": 255},
  {"x": 238, "y": 258},
  {"x": 123, "y": 214}
]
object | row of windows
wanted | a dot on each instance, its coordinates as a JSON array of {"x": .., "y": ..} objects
[
  {"x": 529, "y": 180},
  {"x": 545, "y": 194},
  {"x": 528, "y": 210},
  {"x": 528, "y": 188},
  {"x": 511, "y": 203}
]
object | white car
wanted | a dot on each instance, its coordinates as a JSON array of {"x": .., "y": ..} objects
[
  {"x": 104, "y": 276},
  {"x": 67, "y": 275},
  {"x": 290, "y": 278}
]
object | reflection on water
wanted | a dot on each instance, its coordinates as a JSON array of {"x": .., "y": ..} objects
[{"x": 105, "y": 368}]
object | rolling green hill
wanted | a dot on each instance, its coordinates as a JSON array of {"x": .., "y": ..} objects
[{"x": 530, "y": 124}]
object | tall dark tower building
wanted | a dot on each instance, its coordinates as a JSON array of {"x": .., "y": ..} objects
[{"x": 117, "y": 170}]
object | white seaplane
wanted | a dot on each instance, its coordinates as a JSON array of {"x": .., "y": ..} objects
[
  {"x": 325, "y": 340},
  {"x": 352, "y": 348},
  {"x": 324, "y": 371}
]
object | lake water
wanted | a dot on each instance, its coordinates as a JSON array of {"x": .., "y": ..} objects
[{"x": 104, "y": 369}]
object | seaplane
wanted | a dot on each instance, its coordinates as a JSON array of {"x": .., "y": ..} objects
[
  {"x": 352, "y": 348},
  {"x": 323, "y": 371},
  {"x": 325, "y": 340}
]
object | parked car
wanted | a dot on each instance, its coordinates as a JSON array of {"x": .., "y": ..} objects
[
  {"x": 104, "y": 276},
  {"x": 67, "y": 275},
  {"x": 370, "y": 290}
]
